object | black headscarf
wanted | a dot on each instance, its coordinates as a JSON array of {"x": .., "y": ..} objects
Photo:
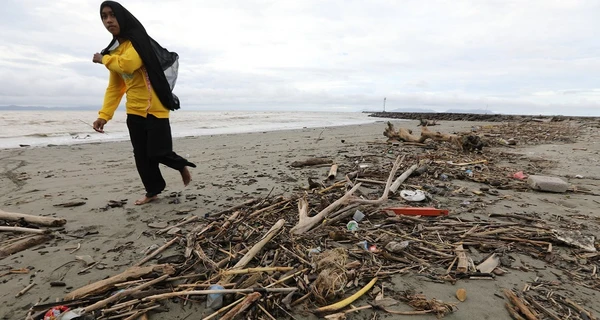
[{"x": 154, "y": 57}]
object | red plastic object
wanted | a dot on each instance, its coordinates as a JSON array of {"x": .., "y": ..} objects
[
  {"x": 520, "y": 175},
  {"x": 418, "y": 211},
  {"x": 55, "y": 312}
]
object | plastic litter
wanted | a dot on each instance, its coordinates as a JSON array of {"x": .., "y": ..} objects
[
  {"x": 418, "y": 211},
  {"x": 364, "y": 244},
  {"x": 520, "y": 175},
  {"x": 352, "y": 225},
  {"x": 358, "y": 216},
  {"x": 314, "y": 251},
  {"x": 413, "y": 196},
  {"x": 396, "y": 247},
  {"x": 55, "y": 312},
  {"x": 214, "y": 300}
]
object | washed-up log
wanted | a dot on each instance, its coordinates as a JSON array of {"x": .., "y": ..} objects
[
  {"x": 438, "y": 136},
  {"x": 332, "y": 172},
  {"x": 129, "y": 274},
  {"x": 240, "y": 308},
  {"x": 402, "y": 134},
  {"x": 311, "y": 162},
  {"x": 305, "y": 223},
  {"x": 23, "y": 244},
  {"x": 24, "y": 230},
  {"x": 37, "y": 220},
  {"x": 255, "y": 249},
  {"x": 427, "y": 123}
]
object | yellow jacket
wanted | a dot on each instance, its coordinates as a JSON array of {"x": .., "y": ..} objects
[{"x": 127, "y": 75}]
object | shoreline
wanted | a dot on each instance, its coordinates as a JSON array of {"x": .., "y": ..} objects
[
  {"x": 182, "y": 126},
  {"x": 175, "y": 138}
]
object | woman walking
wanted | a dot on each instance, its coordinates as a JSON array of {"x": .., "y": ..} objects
[{"x": 135, "y": 70}]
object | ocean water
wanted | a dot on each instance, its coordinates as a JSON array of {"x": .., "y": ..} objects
[{"x": 41, "y": 128}]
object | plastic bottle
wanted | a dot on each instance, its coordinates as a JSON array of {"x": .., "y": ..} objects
[{"x": 214, "y": 300}]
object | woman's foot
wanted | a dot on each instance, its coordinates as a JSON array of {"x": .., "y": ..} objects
[
  {"x": 186, "y": 176},
  {"x": 145, "y": 200}
]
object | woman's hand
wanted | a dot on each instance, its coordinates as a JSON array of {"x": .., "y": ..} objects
[
  {"x": 99, "y": 125},
  {"x": 97, "y": 58}
]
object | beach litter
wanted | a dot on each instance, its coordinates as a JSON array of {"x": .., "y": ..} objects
[{"x": 280, "y": 255}]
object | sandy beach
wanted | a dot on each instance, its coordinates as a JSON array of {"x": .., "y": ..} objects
[{"x": 235, "y": 168}]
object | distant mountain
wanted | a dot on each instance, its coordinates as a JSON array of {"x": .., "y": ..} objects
[
  {"x": 42, "y": 108},
  {"x": 470, "y": 111}
]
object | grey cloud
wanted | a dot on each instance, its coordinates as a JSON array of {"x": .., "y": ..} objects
[{"x": 309, "y": 55}]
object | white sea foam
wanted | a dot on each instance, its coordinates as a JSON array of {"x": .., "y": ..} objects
[{"x": 40, "y": 128}]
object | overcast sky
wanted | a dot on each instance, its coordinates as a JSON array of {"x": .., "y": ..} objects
[{"x": 527, "y": 56}]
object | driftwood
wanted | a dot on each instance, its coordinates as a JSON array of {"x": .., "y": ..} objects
[
  {"x": 332, "y": 172},
  {"x": 223, "y": 291},
  {"x": 37, "y": 220},
  {"x": 463, "y": 262},
  {"x": 438, "y": 136},
  {"x": 427, "y": 123},
  {"x": 406, "y": 135},
  {"x": 23, "y": 244},
  {"x": 519, "y": 305},
  {"x": 404, "y": 176},
  {"x": 107, "y": 284},
  {"x": 124, "y": 293},
  {"x": 305, "y": 223},
  {"x": 24, "y": 230},
  {"x": 255, "y": 249},
  {"x": 22, "y": 292},
  {"x": 157, "y": 251},
  {"x": 388, "y": 185},
  {"x": 240, "y": 308},
  {"x": 311, "y": 162},
  {"x": 186, "y": 221},
  {"x": 402, "y": 134}
]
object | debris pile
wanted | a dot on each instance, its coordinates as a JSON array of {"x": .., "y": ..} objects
[{"x": 280, "y": 256}]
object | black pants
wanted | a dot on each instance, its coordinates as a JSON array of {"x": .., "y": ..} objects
[{"x": 153, "y": 145}]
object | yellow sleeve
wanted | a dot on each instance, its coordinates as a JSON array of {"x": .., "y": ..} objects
[
  {"x": 127, "y": 62},
  {"x": 112, "y": 97}
]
